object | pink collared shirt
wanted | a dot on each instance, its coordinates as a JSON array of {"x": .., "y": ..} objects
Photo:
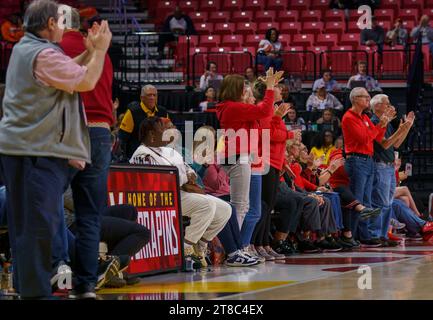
[{"x": 55, "y": 69}]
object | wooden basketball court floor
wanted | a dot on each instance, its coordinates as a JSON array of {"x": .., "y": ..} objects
[{"x": 404, "y": 272}]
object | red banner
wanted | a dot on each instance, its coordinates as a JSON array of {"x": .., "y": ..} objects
[{"x": 154, "y": 191}]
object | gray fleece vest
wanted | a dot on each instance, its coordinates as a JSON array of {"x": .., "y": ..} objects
[{"x": 40, "y": 120}]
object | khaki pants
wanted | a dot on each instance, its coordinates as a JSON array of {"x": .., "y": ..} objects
[{"x": 208, "y": 216}]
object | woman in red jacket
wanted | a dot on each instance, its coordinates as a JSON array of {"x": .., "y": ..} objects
[{"x": 238, "y": 120}]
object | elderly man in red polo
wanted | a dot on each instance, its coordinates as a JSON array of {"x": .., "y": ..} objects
[{"x": 359, "y": 134}]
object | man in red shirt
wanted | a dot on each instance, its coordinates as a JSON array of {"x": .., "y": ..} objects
[
  {"x": 359, "y": 134},
  {"x": 90, "y": 185}
]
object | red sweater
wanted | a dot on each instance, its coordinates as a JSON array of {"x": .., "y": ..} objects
[
  {"x": 98, "y": 103},
  {"x": 359, "y": 133},
  {"x": 339, "y": 177},
  {"x": 300, "y": 181},
  {"x": 238, "y": 116}
]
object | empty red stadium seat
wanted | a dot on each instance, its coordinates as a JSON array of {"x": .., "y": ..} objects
[
  {"x": 320, "y": 5},
  {"x": 290, "y": 27},
  {"x": 210, "y": 41},
  {"x": 233, "y": 40},
  {"x": 427, "y": 58},
  {"x": 336, "y": 27},
  {"x": 204, "y": 28},
  {"x": 340, "y": 62},
  {"x": 242, "y": 16},
  {"x": 409, "y": 14},
  {"x": 198, "y": 62},
  {"x": 327, "y": 40},
  {"x": 287, "y": 16},
  {"x": 246, "y": 27},
  {"x": 354, "y": 15},
  {"x": 253, "y": 40},
  {"x": 285, "y": 40},
  {"x": 429, "y": 12},
  {"x": 164, "y": 8},
  {"x": 311, "y": 15},
  {"x": 384, "y": 15},
  {"x": 299, "y": 4},
  {"x": 342, "y": 48},
  {"x": 392, "y": 62},
  {"x": 254, "y": 5},
  {"x": 232, "y": 5},
  {"x": 312, "y": 27},
  {"x": 224, "y": 28},
  {"x": 390, "y": 4},
  {"x": 222, "y": 61},
  {"x": 220, "y": 16},
  {"x": 249, "y": 49},
  {"x": 334, "y": 15},
  {"x": 350, "y": 39},
  {"x": 277, "y": 5},
  {"x": 239, "y": 62},
  {"x": 318, "y": 49},
  {"x": 210, "y": 5},
  {"x": 199, "y": 17},
  {"x": 414, "y": 4},
  {"x": 264, "y": 26},
  {"x": 188, "y": 6},
  {"x": 353, "y": 27},
  {"x": 305, "y": 40},
  {"x": 220, "y": 49},
  {"x": 293, "y": 63},
  {"x": 264, "y": 16}
]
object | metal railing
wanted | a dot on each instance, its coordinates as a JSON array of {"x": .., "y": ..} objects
[{"x": 343, "y": 62}]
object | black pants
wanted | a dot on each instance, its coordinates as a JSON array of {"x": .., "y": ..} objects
[
  {"x": 269, "y": 195},
  {"x": 290, "y": 205}
]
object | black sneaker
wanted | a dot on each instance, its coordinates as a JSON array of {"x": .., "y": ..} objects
[
  {"x": 367, "y": 213},
  {"x": 283, "y": 247},
  {"x": 372, "y": 243},
  {"x": 349, "y": 242},
  {"x": 107, "y": 269},
  {"x": 388, "y": 243},
  {"x": 84, "y": 292},
  {"x": 328, "y": 246},
  {"x": 306, "y": 246}
]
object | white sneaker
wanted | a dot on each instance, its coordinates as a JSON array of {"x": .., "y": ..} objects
[
  {"x": 239, "y": 259},
  {"x": 250, "y": 251}
]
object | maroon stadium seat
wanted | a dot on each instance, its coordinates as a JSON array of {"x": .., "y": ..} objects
[
  {"x": 414, "y": 4},
  {"x": 290, "y": 27},
  {"x": 390, "y": 4},
  {"x": 335, "y": 27},
  {"x": 334, "y": 15},
  {"x": 222, "y": 61},
  {"x": 210, "y": 40},
  {"x": 386, "y": 25},
  {"x": 265, "y": 16},
  {"x": 254, "y": 5},
  {"x": 232, "y": 5},
  {"x": 392, "y": 62},
  {"x": 288, "y": 16},
  {"x": 285, "y": 40},
  {"x": 224, "y": 28},
  {"x": 164, "y": 8},
  {"x": 350, "y": 39},
  {"x": 320, "y": 5},
  {"x": 429, "y": 12},
  {"x": 264, "y": 26},
  {"x": 300, "y": 5},
  {"x": 210, "y": 5},
  {"x": 311, "y": 15},
  {"x": 340, "y": 62},
  {"x": 242, "y": 16},
  {"x": 240, "y": 62},
  {"x": 409, "y": 25},
  {"x": 188, "y": 6},
  {"x": 199, "y": 17},
  {"x": 305, "y": 40},
  {"x": 220, "y": 49},
  {"x": 312, "y": 27},
  {"x": 220, "y": 16},
  {"x": 246, "y": 27},
  {"x": 277, "y": 4},
  {"x": 328, "y": 39},
  {"x": 233, "y": 40},
  {"x": 204, "y": 28},
  {"x": 384, "y": 15},
  {"x": 253, "y": 40},
  {"x": 409, "y": 14}
]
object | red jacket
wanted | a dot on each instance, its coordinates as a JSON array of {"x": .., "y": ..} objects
[
  {"x": 98, "y": 102},
  {"x": 300, "y": 181},
  {"x": 339, "y": 177},
  {"x": 238, "y": 115}
]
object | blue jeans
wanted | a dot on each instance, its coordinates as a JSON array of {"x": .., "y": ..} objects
[
  {"x": 34, "y": 191},
  {"x": 336, "y": 208},
  {"x": 381, "y": 197},
  {"x": 89, "y": 189},
  {"x": 230, "y": 236},
  {"x": 361, "y": 174},
  {"x": 403, "y": 213},
  {"x": 255, "y": 210},
  {"x": 268, "y": 62}
]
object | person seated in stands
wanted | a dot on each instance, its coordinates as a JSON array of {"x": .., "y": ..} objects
[
  {"x": 371, "y": 84},
  {"x": 322, "y": 100},
  {"x": 268, "y": 53},
  {"x": 210, "y": 101},
  {"x": 398, "y": 35},
  {"x": 330, "y": 84},
  {"x": 294, "y": 122},
  {"x": 208, "y": 214},
  {"x": 250, "y": 75},
  {"x": 374, "y": 36},
  {"x": 12, "y": 28},
  {"x": 209, "y": 74},
  {"x": 323, "y": 146},
  {"x": 176, "y": 24},
  {"x": 425, "y": 31},
  {"x": 135, "y": 114},
  {"x": 328, "y": 121}
]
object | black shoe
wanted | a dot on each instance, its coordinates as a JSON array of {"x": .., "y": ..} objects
[
  {"x": 84, "y": 292},
  {"x": 306, "y": 246},
  {"x": 367, "y": 213},
  {"x": 372, "y": 243},
  {"x": 107, "y": 269},
  {"x": 283, "y": 247},
  {"x": 130, "y": 280},
  {"x": 386, "y": 243},
  {"x": 350, "y": 241},
  {"x": 345, "y": 245},
  {"x": 327, "y": 246}
]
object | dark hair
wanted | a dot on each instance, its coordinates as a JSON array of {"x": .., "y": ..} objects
[
  {"x": 148, "y": 125},
  {"x": 209, "y": 63},
  {"x": 268, "y": 33},
  {"x": 259, "y": 90},
  {"x": 328, "y": 109},
  {"x": 325, "y": 71},
  {"x": 320, "y": 139},
  {"x": 210, "y": 87}
]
